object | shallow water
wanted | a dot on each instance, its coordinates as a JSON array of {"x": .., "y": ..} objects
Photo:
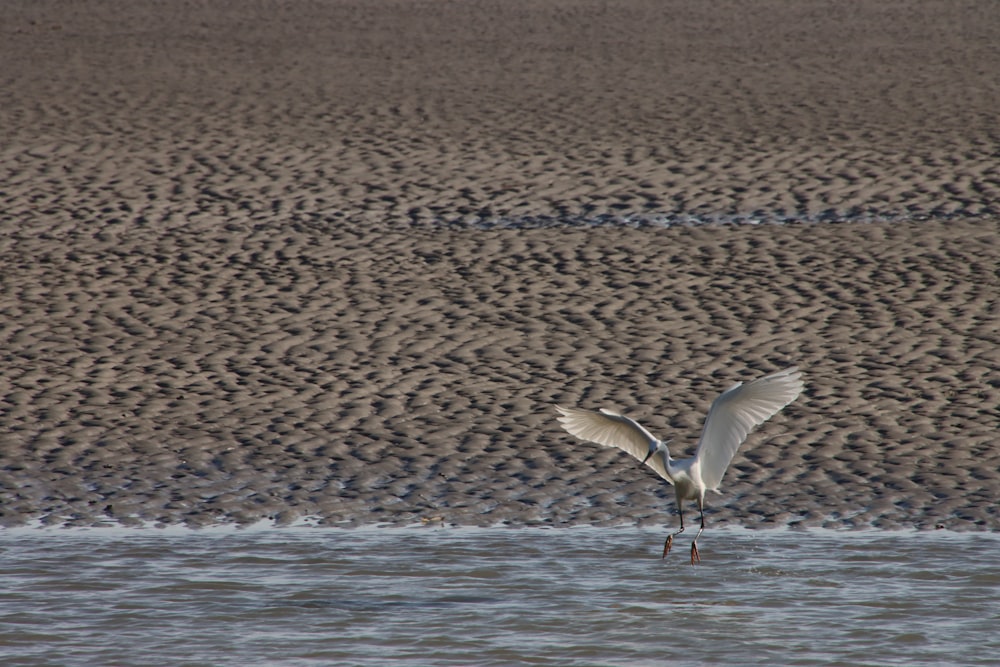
[{"x": 445, "y": 596}]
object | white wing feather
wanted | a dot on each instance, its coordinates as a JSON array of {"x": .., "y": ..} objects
[
  {"x": 735, "y": 413},
  {"x": 612, "y": 430}
]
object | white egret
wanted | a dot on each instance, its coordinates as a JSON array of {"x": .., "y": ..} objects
[{"x": 735, "y": 413}]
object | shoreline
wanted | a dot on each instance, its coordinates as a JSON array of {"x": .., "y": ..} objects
[{"x": 307, "y": 525}]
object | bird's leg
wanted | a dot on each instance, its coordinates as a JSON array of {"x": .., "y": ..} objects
[
  {"x": 695, "y": 556},
  {"x": 670, "y": 538}
]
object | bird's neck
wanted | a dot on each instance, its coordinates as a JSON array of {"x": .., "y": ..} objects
[
  {"x": 677, "y": 469},
  {"x": 666, "y": 452},
  {"x": 667, "y": 460}
]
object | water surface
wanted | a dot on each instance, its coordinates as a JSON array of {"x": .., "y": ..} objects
[{"x": 444, "y": 596}]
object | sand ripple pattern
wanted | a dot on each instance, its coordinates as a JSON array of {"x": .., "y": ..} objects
[
  {"x": 286, "y": 371},
  {"x": 276, "y": 260},
  {"x": 503, "y": 113}
]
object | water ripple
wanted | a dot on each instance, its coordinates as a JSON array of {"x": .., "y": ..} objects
[{"x": 496, "y": 597}]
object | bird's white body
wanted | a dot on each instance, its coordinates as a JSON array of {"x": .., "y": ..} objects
[
  {"x": 735, "y": 413},
  {"x": 684, "y": 476}
]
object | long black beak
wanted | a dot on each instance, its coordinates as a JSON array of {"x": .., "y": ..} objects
[{"x": 651, "y": 452}]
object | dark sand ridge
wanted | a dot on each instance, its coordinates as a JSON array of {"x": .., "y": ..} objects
[{"x": 226, "y": 295}]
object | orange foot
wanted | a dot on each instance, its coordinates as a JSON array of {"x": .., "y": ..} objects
[
  {"x": 695, "y": 556},
  {"x": 666, "y": 546}
]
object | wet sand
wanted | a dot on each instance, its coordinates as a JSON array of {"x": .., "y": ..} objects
[{"x": 262, "y": 262}]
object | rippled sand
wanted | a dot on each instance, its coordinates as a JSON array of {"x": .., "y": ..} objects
[{"x": 248, "y": 272}]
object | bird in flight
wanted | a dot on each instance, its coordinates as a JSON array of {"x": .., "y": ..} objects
[{"x": 735, "y": 413}]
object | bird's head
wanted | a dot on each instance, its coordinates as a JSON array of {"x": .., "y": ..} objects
[{"x": 659, "y": 446}]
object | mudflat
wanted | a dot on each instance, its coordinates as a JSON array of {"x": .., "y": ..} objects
[{"x": 340, "y": 260}]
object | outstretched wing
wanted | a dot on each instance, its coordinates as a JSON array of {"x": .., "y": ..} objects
[
  {"x": 612, "y": 430},
  {"x": 735, "y": 413}
]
